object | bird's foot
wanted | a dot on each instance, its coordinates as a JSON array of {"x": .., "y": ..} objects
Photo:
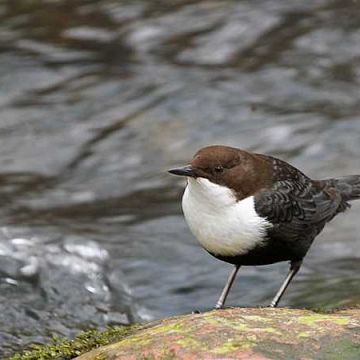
[{"x": 196, "y": 311}]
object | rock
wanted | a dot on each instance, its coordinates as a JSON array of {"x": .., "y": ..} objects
[{"x": 242, "y": 333}]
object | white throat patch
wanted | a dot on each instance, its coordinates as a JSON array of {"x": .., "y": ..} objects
[{"x": 222, "y": 225}]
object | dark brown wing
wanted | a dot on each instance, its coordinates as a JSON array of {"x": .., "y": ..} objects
[{"x": 297, "y": 209}]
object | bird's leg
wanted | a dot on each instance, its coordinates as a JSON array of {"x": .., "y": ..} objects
[
  {"x": 294, "y": 268},
  {"x": 220, "y": 303}
]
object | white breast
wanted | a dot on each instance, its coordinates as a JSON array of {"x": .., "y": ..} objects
[{"x": 221, "y": 224}]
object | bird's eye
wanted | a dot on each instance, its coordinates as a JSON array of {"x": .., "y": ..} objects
[{"x": 219, "y": 169}]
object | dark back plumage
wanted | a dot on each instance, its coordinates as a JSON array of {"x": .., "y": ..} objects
[{"x": 299, "y": 207}]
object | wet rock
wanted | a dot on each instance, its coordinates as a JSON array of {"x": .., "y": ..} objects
[
  {"x": 51, "y": 286},
  {"x": 242, "y": 333}
]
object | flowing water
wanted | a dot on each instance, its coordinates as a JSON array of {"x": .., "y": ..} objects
[{"x": 99, "y": 98}]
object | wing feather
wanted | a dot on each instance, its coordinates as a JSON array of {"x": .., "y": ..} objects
[{"x": 297, "y": 208}]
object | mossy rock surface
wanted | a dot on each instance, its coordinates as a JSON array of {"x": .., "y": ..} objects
[
  {"x": 64, "y": 349},
  {"x": 256, "y": 334}
]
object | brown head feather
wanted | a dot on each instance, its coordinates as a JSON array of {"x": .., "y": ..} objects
[{"x": 243, "y": 172}]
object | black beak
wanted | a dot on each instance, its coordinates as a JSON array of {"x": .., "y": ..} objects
[{"x": 184, "y": 171}]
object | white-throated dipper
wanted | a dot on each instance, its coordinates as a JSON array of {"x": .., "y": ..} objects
[{"x": 252, "y": 209}]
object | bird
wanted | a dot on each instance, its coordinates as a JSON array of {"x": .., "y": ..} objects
[{"x": 250, "y": 209}]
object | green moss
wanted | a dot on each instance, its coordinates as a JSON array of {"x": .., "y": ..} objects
[
  {"x": 269, "y": 330},
  {"x": 304, "y": 334},
  {"x": 228, "y": 348},
  {"x": 135, "y": 342},
  {"x": 258, "y": 318},
  {"x": 166, "y": 328},
  {"x": 68, "y": 349},
  {"x": 312, "y": 319},
  {"x": 188, "y": 342},
  {"x": 100, "y": 357}
]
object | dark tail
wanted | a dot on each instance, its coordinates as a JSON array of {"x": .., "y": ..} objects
[{"x": 348, "y": 186}]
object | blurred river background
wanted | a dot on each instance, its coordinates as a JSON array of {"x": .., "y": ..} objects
[{"x": 99, "y": 98}]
